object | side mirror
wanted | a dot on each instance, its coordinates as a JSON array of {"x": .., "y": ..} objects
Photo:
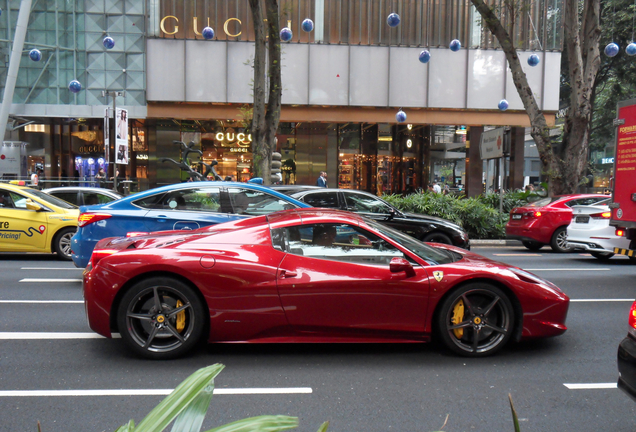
[
  {"x": 30, "y": 205},
  {"x": 391, "y": 213},
  {"x": 399, "y": 265}
]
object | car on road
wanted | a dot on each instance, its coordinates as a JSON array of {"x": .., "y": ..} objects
[
  {"x": 182, "y": 206},
  {"x": 285, "y": 277},
  {"x": 590, "y": 231},
  {"x": 627, "y": 357},
  {"x": 546, "y": 221},
  {"x": 34, "y": 221},
  {"x": 422, "y": 227},
  {"x": 80, "y": 196}
]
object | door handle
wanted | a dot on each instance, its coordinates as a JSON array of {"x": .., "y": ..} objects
[{"x": 287, "y": 274}]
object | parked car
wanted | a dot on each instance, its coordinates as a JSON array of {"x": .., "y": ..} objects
[
  {"x": 590, "y": 231},
  {"x": 185, "y": 206},
  {"x": 33, "y": 221},
  {"x": 80, "y": 196},
  {"x": 284, "y": 278},
  {"x": 422, "y": 227},
  {"x": 627, "y": 357},
  {"x": 546, "y": 221}
]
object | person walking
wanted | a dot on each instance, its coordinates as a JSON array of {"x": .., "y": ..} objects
[{"x": 322, "y": 179}]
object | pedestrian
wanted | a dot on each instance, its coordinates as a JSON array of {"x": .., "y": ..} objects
[
  {"x": 437, "y": 188},
  {"x": 101, "y": 178},
  {"x": 322, "y": 179}
]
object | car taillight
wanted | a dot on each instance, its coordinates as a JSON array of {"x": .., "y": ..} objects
[
  {"x": 136, "y": 234},
  {"x": 603, "y": 215},
  {"x": 632, "y": 318},
  {"x": 533, "y": 214},
  {"x": 620, "y": 233},
  {"x": 89, "y": 218},
  {"x": 98, "y": 254}
]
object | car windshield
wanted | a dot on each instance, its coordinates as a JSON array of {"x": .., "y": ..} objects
[
  {"x": 428, "y": 253},
  {"x": 50, "y": 199},
  {"x": 543, "y": 202}
]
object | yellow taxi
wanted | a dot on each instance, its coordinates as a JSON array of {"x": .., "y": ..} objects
[{"x": 34, "y": 221}]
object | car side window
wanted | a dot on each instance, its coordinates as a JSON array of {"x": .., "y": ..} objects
[
  {"x": 19, "y": 201},
  {"x": 335, "y": 242},
  {"x": 70, "y": 197},
  {"x": 196, "y": 199},
  {"x": 256, "y": 203},
  {"x": 365, "y": 204},
  {"x": 585, "y": 201},
  {"x": 5, "y": 200},
  {"x": 322, "y": 199},
  {"x": 91, "y": 198}
]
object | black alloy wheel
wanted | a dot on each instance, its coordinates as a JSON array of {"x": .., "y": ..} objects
[
  {"x": 602, "y": 255},
  {"x": 62, "y": 243},
  {"x": 559, "y": 242},
  {"x": 437, "y": 237},
  {"x": 160, "y": 318},
  {"x": 476, "y": 320},
  {"x": 532, "y": 245}
]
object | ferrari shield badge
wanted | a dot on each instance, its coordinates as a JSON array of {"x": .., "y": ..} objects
[{"x": 439, "y": 275}]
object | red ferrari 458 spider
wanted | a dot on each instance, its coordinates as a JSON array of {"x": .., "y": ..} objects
[{"x": 310, "y": 275}]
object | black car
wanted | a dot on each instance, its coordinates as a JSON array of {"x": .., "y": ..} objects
[
  {"x": 422, "y": 227},
  {"x": 627, "y": 358}
]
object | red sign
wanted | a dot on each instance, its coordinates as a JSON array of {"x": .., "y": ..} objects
[{"x": 625, "y": 166}]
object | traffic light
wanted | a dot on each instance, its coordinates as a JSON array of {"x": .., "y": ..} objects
[{"x": 275, "y": 174}]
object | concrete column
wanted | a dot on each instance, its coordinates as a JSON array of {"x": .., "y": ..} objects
[
  {"x": 517, "y": 143},
  {"x": 474, "y": 163}
]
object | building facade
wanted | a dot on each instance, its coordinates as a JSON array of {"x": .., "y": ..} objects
[{"x": 343, "y": 83}]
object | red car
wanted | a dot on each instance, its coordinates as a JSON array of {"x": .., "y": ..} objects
[
  {"x": 310, "y": 275},
  {"x": 546, "y": 221}
]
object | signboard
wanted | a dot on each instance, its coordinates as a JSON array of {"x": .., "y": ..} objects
[
  {"x": 491, "y": 144},
  {"x": 625, "y": 166},
  {"x": 121, "y": 149},
  {"x": 12, "y": 160}
]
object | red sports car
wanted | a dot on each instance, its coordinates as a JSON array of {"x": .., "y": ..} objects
[
  {"x": 310, "y": 275},
  {"x": 546, "y": 221}
]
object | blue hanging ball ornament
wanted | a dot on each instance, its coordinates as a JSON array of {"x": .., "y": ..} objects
[
  {"x": 503, "y": 105},
  {"x": 393, "y": 20},
  {"x": 208, "y": 33},
  {"x": 75, "y": 86},
  {"x": 307, "y": 25},
  {"x": 631, "y": 49},
  {"x": 109, "y": 42},
  {"x": 455, "y": 45},
  {"x": 611, "y": 49},
  {"x": 35, "y": 54},
  {"x": 400, "y": 116},
  {"x": 286, "y": 34},
  {"x": 533, "y": 60},
  {"x": 425, "y": 56}
]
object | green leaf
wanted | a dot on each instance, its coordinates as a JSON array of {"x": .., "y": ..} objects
[
  {"x": 266, "y": 423},
  {"x": 515, "y": 420},
  {"x": 179, "y": 399},
  {"x": 128, "y": 427},
  {"x": 323, "y": 427},
  {"x": 191, "y": 419}
]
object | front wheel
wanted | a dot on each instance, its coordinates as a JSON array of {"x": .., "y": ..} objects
[
  {"x": 559, "y": 242},
  {"x": 62, "y": 243},
  {"x": 476, "y": 320},
  {"x": 436, "y": 237},
  {"x": 160, "y": 318},
  {"x": 532, "y": 245},
  {"x": 602, "y": 255}
]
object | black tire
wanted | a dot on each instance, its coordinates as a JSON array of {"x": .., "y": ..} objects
[
  {"x": 559, "y": 242},
  {"x": 602, "y": 255},
  {"x": 484, "y": 321},
  {"x": 151, "y": 301},
  {"x": 532, "y": 245},
  {"x": 437, "y": 237},
  {"x": 62, "y": 243}
]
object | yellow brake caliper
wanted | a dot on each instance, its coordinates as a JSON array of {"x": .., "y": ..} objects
[
  {"x": 181, "y": 317},
  {"x": 458, "y": 316}
]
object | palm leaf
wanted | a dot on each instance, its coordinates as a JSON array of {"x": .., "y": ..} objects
[
  {"x": 191, "y": 418},
  {"x": 266, "y": 423}
]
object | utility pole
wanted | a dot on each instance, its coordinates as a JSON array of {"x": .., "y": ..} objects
[{"x": 112, "y": 132}]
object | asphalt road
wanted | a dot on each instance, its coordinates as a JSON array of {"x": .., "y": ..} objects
[{"x": 361, "y": 387}]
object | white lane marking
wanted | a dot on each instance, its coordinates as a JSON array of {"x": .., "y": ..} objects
[
  {"x": 568, "y": 269},
  {"x": 602, "y": 300},
  {"x": 50, "y": 280},
  {"x": 51, "y": 335},
  {"x": 51, "y": 268},
  {"x": 591, "y": 386},
  {"x": 151, "y": 392},
  {"x": 517, "y": 254},
  {"x": 43, "y": 301}
]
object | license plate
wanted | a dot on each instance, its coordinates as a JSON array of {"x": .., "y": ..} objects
[
  {"x": 582, "y": 219},
  {"x": 516, "y": 216}
]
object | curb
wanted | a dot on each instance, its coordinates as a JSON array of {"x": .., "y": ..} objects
[{"x": 495, "y": 242}]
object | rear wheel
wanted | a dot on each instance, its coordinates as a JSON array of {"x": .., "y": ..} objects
[
  {"x": 602, "y": 255},
  {"x": 160, "y": 318},
  {"x": 476, "y": 320},
  {"x": 559, "y": 242},
  {"x": 532, "y": 245},
  {"x": 436, "y": 237},
  {"x": 62, "y": 243}
]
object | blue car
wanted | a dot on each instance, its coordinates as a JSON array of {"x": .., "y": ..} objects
[{"x": 182, "y": 206}]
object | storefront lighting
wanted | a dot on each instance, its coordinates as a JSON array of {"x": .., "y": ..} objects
[
  {"x": 385, "y": 139},
  {"x": 91, "y": 161},
  {"x": 35, "y": 128},
  {"x": 409, "y": 143},
  {"x": 409, "y": 126}
]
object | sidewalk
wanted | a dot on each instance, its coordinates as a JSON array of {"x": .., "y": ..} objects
[{"x": 495, "y": 242}]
